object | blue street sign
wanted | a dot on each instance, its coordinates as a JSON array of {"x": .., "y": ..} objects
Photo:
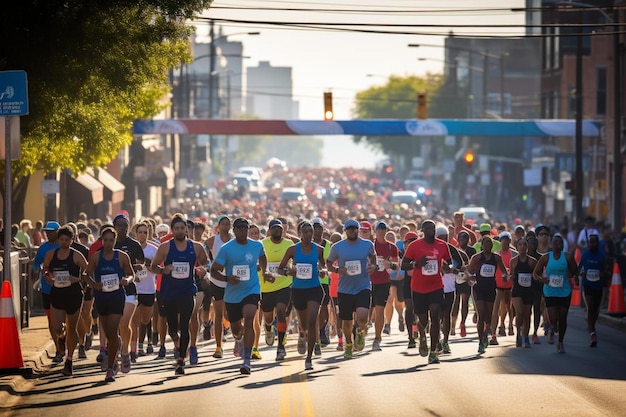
[{"x": 13, "y": 93}]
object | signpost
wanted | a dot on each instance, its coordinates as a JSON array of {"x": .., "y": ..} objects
[{"x": 13, "y": 102}]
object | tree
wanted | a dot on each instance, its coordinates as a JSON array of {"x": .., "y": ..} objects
[{"x": 93, "y": 67}]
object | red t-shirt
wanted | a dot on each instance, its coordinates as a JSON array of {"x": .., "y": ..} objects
[
  {"x": 384, "y": 251},
  {"x": 506, "y": 260},
  {"x": 428, "y": 278}
]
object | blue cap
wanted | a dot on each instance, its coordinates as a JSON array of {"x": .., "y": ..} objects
[
  {"x": 351, "y": 223},
  {"x": 276, "y": 222},
  {"x": 51, "y": 226},
  {"x": 381, "y": 225}
]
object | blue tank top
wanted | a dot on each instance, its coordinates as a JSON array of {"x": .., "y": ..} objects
[
  {"x": 109, "y": 272},
  {"x": 307, "y": 275},
  {"x": 180, "y": 282},
  {"x": 556, "y": 272}
]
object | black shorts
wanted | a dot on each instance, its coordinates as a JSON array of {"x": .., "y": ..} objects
[
  {"x": 348, "y": 303},
  {"x": 399, "y": 286},
  {"x": 216, "y": 293},
  {"x": 422, "y": 302},
  {"x": 558, "y": 301},
  {"x": 462, "y": 288},
  {"x": 145, "y": 300},
  {"x": 326, "y": 297},
  {"x": 526, "y": 294},
  {"x": 380, "y": 294},
  {"x": 485, "y": 290},
  {"x": 110, "y": 305},
  {"x": 300, "y": 297},
  {"x": 235, "y": 310},
  {"x": 68, "y": 299},
  {"x": 269, "y": 300},
  {"x": 45, "y": 300}
]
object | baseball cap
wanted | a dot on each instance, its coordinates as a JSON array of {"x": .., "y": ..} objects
[
  {"x": 485, "y": 227},
  {"x": 51, "y": 226},
  {"x": 541, "y": 227},
  {"x": 441, "y": 231},
  {"x": 410, "y": 235},
  {"x": 317, "y": 221},
  {"x": 240, "y": 221},
  {"x": 505, "y": 235},
  {"x": 519, "y": 227},
  {"x": 351, "y": 223},
  {"x": 381, "y": 225},
  {"x": 366, "y": 225},
  {"x": 276, "y": 222}
]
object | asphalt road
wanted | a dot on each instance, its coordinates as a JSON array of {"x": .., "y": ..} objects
[{"x": 394, "y": 382}]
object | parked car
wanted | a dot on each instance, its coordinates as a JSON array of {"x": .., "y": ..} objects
[
  {"x": 407, "y": 197},
  {"x": 254, "y": 172},
  {"x": 293, "y": 194},
  {"x": 475, "y": 213}
]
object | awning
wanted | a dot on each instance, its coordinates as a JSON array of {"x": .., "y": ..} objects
[
  {"x": 93, "y": 187},
  {"x": 114, "y": 190}
]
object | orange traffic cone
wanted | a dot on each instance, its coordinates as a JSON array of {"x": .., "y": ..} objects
[
  {"x": 577, "y": 255},
  {"x": 616, "y": 294},
  {"x": 575, "y": 301},
  {"x": 10, "y": 350}
]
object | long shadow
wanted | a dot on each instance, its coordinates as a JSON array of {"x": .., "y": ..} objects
[{"x": 298, "y": 377}]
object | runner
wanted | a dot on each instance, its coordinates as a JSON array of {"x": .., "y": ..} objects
[
  {"x": 318, "y": 237},
  {"x": 522, "y": 267},
  {"x": 409, "y": 313},
  {"x": 306, "y": 292},
  {"x": 254, "y": 233},
  {"x": 356, "y": 259},
  {"x": 502, "y": 304},
  {"x": 202, "y": 282},
  {"x": 395, "y": 301},
  {"x": 462, "y": 288}
]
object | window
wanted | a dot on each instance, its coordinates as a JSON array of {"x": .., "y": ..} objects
[{"x": 601, "y": 91}]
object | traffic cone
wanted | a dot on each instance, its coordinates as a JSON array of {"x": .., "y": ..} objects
[
  {"x": 577, "y": 255},
  {"x": 575, "y": 301},
  {"x": 616, "y": 294},
  {"x": 10, "y": 350}
]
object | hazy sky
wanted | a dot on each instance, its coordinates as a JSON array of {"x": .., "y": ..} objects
[{"x": 341, "y": 61}]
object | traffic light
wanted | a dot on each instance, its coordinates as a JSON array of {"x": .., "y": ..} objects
[
  {"x": 469, "y": 157},
  {"x": 422, "y": 105},
  {"x": 328, "y": 106},
  {"x": 387, "y": 170},
  {"x": 571, "y": 187}
]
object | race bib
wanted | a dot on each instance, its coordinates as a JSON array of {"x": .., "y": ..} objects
[
  {"x": 460, "y": 278},
  {"x": 487, "y": 271},
  {"x": 141, "y": 274},
  {"x": 242, "y": 272},
  {"x": 180, "y": 270},
  {"x": 304, "y": 271},
  {"x": 272, "y": 268},
  {"x": 431, "y": 267},
  {"x": 110, "y": 282},
  {"x": 525, "y": 279},
  {"x": 353, "y": 267},
  {"x": 380, "y": 263},
  {"x": 593, "y": 275},
  {"x": 556, "y": 281},
  {"x": 62, "y": 279}
]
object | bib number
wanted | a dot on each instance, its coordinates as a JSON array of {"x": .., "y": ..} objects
[
  {"x": 524, "y": 279},
  {"x": 242, "y": 272},
  {"x": 272, "y": 268},
  {"x": 487, "y": 271},
  {"x": 353, "y": 267},
  {"x": 460, "y": 278},
  {"x": 180, "y": 270},
  {"x": 380, "y": 263},
  {"x": 62, "y": 279},
  {"x": 141, "y": 274},
  {"x": 304, "y": 271},
  {"x": 593, "y": 275},
  {"x": 556, "y": 281},
  {"x": 110, "y": 282},
  {"x": 431, "y": 267}
]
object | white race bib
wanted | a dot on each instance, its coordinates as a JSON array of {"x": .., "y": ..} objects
[
  {"x": 487, "y": 271},
  {"x": 353, "y": 267},
  {"x": 431, "y": 267},
  {"x": 141, "y": 274},
  {"x": 110, "y": 282},
  {"x": 272, "y": 268},
  {"x": 556, "y": 281},
  {"x": 180, "y": 270},
  {"x": 62, "y": 279},
  {"x": 593, "y": 275},
  {"x": 380, "y": 263},
  {"x": 460, "y": 278},
  {"x": 304, "y": 271},
  {"x": 242, "y": 272},
  {"x": 525, "y": 279}
]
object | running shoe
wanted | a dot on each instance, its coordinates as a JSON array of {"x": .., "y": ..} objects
[
  {"x": 150, "y": 349},
  {"x": 446, "y": 348},
  {"x": 511, "y": 332},
  {"x": 110, "y": 377},
  {"x": 238, "y": 348},
  {"x": 245, "y": 369},
  {"x": 433, "y": 358},
  {"x": 308, "y": 364},
  {"x": 255, "y": 354},
  {"x": 126, "y": 363},
  {"x": 411, "y": 344},
  {"x": 501, "y": 331},
  {"x": 57, "y": 358},
  {"x": 104, "y": 363},
  {"x": 140, "y": 351},
  {"x": 347, "y": 353},
  {"x": 218, "y": 353},
  {"x": 180, "y": 367},
  {"x": 88, "y": 341},
  {"x": 281, "y": 353},
  {"x": 463, "y": 330},
  {"x": 193, "y": 355},
  {"x": 560, "y": 347},
  {"x": 494, "y": 340},
  {"x": 176, "y": 353},
  {"x": 206, "y": 331},
  {"x": 376, "y": 345},
  {"x": 81, "y": 352},
  {"x": 527, "y": 343},
  {"x": 340, "y": 345},
  {"x": 359, "y": 341},
  {"x": 269, "y": 335},
  {"x": 423, "y": 346},
  {"x": 324, "y": 340},
  {"x": 133, "y": 357},
  {"x": 387, "y": 329},
  {"x": 536, "y": 340},
  {"x": 594, "y": 340},
  {"x": 301, "y": 344},
  {"x": 68, "y": 370},
  {"x": 481, "y": 348},
  {"x": 518, "y": 341},
  {"x": 551, "y": 337},
  {"x": 401, "y": 325},
  {"x": 317, "y": 351},
  {"x": 439, "y": 347},
  {"x": 162, "y": 352}
]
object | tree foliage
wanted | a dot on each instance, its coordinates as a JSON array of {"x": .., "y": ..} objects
[{"x": 93, "y": 67}]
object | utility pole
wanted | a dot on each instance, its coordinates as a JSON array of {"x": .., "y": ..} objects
[{"x": 579, "y": 127}]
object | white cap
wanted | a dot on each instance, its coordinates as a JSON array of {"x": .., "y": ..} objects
[{"x": 441, "y": 231}]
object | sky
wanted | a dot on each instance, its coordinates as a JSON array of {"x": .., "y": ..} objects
[{"x": 349, "y": 62}]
